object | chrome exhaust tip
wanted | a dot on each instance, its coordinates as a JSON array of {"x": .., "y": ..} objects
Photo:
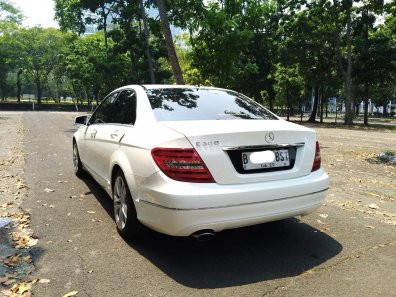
[{"x": 203, "y": 235}]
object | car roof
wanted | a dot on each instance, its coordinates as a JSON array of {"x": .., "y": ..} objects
[{"x": 167, "y": 86}]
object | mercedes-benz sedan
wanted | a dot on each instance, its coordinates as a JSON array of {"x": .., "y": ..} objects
[{"x": 187, "y": 160}]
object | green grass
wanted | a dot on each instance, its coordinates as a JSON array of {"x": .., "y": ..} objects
[{"x": 390, "y": 152}]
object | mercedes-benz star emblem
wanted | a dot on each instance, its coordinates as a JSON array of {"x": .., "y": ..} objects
[{"x": 269, "y": 137}]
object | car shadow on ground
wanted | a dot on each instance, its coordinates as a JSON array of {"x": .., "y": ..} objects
[{"x": 234, "y": 257}]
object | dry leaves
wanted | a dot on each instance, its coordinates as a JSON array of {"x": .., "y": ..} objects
[
  {"x": 373, "y": 206},
  {"x": 72, "y": 293},
  {"x": 23, "y": 240},
  {"x": 44, "y": 281}
]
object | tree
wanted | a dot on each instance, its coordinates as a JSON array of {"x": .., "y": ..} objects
[
  {"x": 127, "y": 33},
  {"x": 40, "y": 50},
  {"x": 343, "y": 21},
  {"x": 9, "y": 13},
  {"x": 147, "y": 42},
  {"x": 177, "y": 73},
  {"x": 88, "y": 68},
  {"x": 289, "y": 85},
  {"x": 10, "y": 18}
]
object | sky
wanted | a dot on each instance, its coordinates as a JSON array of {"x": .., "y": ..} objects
[{"x": 37, "y": 12}]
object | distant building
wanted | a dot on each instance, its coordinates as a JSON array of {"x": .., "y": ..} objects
[{"x": 90, "y": 28}]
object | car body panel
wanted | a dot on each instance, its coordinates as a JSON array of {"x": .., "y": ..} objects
[{"x": 233, "y": 200}]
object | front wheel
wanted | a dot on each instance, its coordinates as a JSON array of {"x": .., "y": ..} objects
[{"x": 124, "y": 210}]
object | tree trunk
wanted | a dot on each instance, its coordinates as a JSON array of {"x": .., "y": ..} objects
[
  {"x": 271, "y": 103},
  {"x": 106, "y": 42},
  {"x": 288, "y": 105},
  {"x": 348, "y": 77},
  {"x": 347, "y": 73},
  {"x": 366, "y": 55},
  {"x": 322, "y": 96},
  {"x": 366, "y": 103},
  {"x": 177, "y": 73},
  {"x": 38, "y": 86},
  {"x": 19, "y": 87},
  {"x": 312, "y": 118},
  {"x": 132, "y": 69},
  {"x": 146, "y": 43}
]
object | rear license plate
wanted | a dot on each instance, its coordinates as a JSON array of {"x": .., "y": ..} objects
[{"x": 281, "y": 159}]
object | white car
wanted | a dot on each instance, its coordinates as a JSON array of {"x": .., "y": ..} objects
[{"x": 187, "y": 160}]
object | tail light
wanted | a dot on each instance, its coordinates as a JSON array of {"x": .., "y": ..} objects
[
  {"x": 182, "y": 165},
  {"x": 318, "y": 159}
]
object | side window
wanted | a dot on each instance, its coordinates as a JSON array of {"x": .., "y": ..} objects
[
  {"x": 125, "y": 108},
  {"x": 103, "y": 114}
]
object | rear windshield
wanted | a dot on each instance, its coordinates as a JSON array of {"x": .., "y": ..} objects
[{"x": 184, "y": 104}]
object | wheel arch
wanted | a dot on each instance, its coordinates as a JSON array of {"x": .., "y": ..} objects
[{"x": 120, "y": 162}]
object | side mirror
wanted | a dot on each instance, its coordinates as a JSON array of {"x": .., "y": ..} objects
[{"x": 81, "y": 120}]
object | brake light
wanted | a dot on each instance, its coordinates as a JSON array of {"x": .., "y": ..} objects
[
  {"x": 318, "y": 159},
  {"x": 182, "y": 165}
]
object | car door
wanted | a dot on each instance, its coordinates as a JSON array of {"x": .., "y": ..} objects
[
  {"x": 121, "y": 116},
  {"x": 98, "y": 121}
]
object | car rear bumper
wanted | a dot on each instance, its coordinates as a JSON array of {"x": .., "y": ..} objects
[{"x": 183, "y": 210}]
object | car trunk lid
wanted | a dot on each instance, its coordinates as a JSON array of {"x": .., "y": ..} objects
[{"x": 224, "y": 146}]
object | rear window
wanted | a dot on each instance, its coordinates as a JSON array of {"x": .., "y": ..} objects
[{"x": 184, "y": 104}]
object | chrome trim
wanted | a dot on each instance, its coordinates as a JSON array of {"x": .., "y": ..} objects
[
  {"x": 227, "y": 206},
  {"x": 264, "y": 146}
]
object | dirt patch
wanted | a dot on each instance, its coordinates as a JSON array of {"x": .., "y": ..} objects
[
  {"x": 359, "y": 180},
  {"x": 16, "y": 238}
]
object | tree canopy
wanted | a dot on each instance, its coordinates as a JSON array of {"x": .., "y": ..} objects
[{"x": 293, "y": 54}]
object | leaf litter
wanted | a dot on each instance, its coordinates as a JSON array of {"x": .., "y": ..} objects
[{"x": 16, "y": 236}]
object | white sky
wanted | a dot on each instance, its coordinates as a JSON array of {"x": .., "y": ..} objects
[{"x": 37, "y": 12}]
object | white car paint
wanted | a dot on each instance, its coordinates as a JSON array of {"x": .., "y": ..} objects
[{"x": 182, "y": 208}]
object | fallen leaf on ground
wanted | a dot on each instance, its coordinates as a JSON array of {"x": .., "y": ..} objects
[
  {"x": 373, "y": 206},
  {"x": 44, "y": 281},
  {"x": 373, "y": 194},
  {"x": 72, "y": 293},
  {"x": 23, "y": 241},
  {"x": 13, "y": 260},
  {"x": 9, "y": 282},
  {"x": 20, "y": 288}
]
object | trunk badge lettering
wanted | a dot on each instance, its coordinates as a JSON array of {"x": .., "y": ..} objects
[{"x": 207, "y": 143}]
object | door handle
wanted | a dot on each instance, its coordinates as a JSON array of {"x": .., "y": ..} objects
[
  {"x": 114, "y": 134},
  {"x": 93, "y": 133}
]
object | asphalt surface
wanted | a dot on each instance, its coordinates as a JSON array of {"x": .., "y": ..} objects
[{"x": 332, "y": 252}]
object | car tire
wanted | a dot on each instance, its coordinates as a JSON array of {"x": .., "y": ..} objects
[
  {"x": 125, "y": 215},
  {"x": 78, "y": 169}
]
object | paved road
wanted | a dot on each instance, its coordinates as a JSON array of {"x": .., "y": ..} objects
[{"x": 332, "y": 252}]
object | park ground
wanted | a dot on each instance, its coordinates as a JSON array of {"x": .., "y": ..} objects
[{"x": 61, "y": 239}]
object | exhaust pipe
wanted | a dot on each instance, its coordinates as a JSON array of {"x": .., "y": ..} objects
[{"x": 203, "y": 235}]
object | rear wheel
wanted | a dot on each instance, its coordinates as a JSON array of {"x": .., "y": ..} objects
[
  {"x": 78, "y": 169},
  {"x": 124, "y": 210}
]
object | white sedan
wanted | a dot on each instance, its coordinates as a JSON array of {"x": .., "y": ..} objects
[{"x": 187, "y": 160}]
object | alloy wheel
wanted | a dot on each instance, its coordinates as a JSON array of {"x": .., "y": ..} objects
[{"x": 120, "y": 203}]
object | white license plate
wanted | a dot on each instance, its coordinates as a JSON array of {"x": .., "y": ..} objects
[{"x": 281, "y": 159}]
